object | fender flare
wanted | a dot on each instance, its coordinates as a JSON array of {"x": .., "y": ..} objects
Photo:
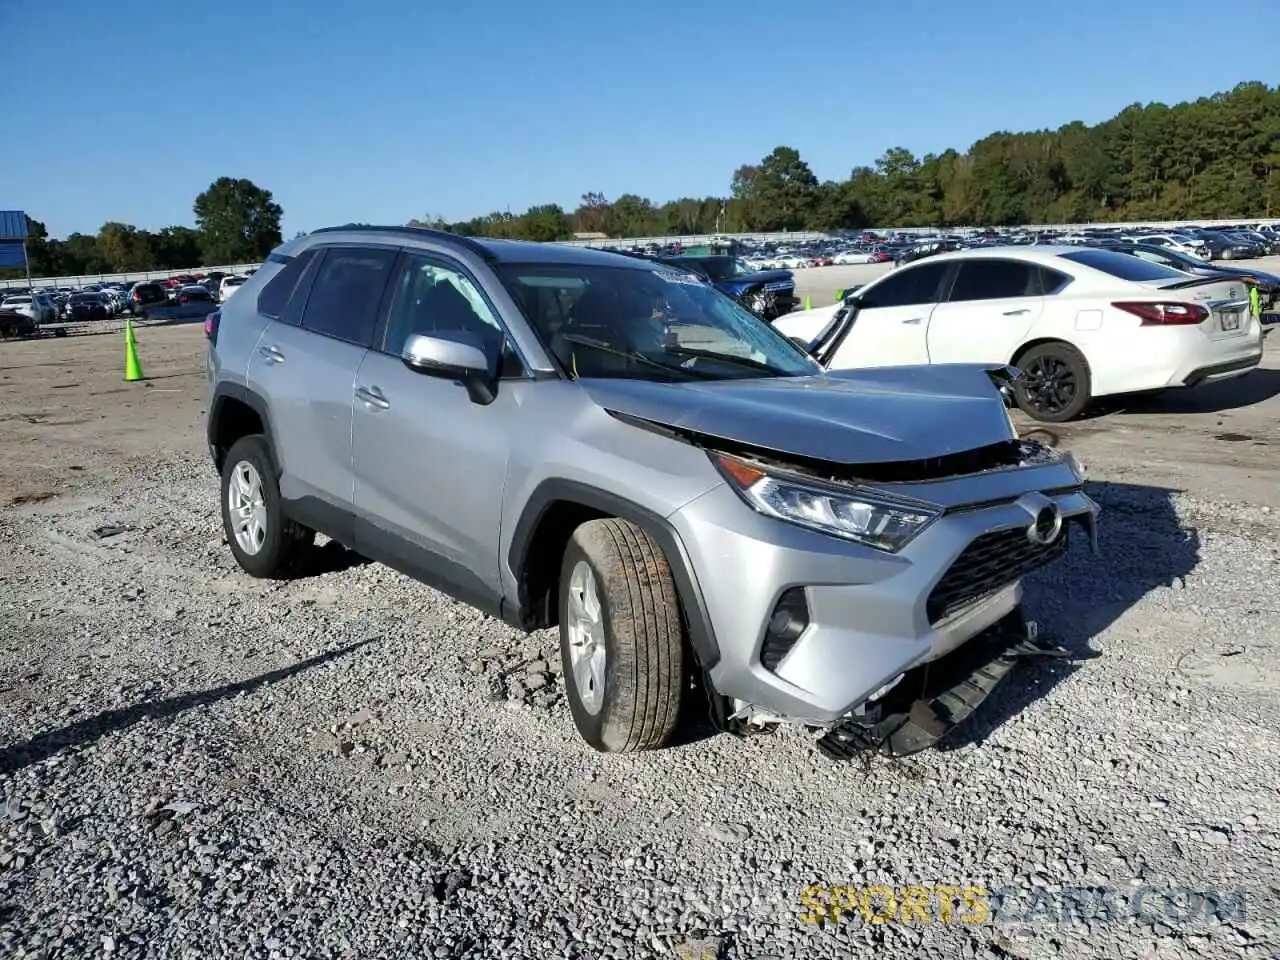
[
  {"x": 697, "y": 620},
  {"x": 254, "y": 401}
]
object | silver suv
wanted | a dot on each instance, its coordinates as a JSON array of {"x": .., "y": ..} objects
[{"x": 567, "y": 437}]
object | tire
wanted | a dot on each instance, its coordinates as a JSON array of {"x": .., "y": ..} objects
[
  {"x": 1067, "y": 392},
  {"x": 1228, "y": 254},
  {"x": 274, "y": 547},
  {"x": 624, "y": 689}
]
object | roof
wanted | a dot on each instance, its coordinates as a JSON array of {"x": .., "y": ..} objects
[
  {"x": 508, "y": 251},
  {"x": 527, "y": 251},
  {"x": 1036, "y": 253}
]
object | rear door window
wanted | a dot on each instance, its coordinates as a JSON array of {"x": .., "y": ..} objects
[
  {"x": 994, "y": 280},
  {"x": 275, "y": 295},
  {"x": 343, "y": 302},
  {"x": 906, "y": 286}
]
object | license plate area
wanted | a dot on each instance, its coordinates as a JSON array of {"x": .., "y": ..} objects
[{"x": 1229, "y": 320}]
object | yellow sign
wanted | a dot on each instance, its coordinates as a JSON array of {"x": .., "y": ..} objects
[{"x": 880, "y": 904}]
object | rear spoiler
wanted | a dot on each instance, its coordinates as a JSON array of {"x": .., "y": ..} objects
[{"x": 1197, "y": 282}]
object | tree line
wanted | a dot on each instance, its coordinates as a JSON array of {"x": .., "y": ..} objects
[
  {"x": 1216, "y": 157},
  {"x": 236, "y": 221}
]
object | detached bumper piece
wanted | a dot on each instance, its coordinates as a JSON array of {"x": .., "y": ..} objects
[{"x": 935, "y": 698}]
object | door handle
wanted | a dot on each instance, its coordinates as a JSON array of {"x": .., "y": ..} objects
[
  {"x": 1016, "y": 313},
  {"x": 373, "y": 397},
  {"x": 271, "y": 354},
  {"x": 914, "y": 320}
]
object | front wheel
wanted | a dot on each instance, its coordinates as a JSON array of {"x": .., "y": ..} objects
[
  {"x": 621, "y": 637},
  {"x": 1054, "y": 386}
]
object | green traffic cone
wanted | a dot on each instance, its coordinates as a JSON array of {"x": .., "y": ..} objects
[
  {"x": 839, "y": 295},
  {"x": 808, "y": 302},
  {"x": 132, "y": 368}
]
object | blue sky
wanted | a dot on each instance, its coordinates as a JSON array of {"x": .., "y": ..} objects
[{"x": 379, "y": 111}]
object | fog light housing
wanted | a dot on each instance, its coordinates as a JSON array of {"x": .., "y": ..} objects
[{"x": 787, "y": 623}]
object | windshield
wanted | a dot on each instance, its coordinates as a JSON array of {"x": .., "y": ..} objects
[{"x": 658, "y": 324}]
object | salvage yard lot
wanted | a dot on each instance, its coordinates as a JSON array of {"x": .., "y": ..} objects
[{"x": 196, "y": 763}]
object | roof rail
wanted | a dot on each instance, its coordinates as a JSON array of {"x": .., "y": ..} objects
[{"x": 469, "y": 243}]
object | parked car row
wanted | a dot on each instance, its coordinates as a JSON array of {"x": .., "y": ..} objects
[
  {"x": 1203, "y": 243},
  {"x": 101, "y": 301}
]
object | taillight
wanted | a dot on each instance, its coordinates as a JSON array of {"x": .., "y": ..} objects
[
  {"x": 1175, "y": 314},
  {"x": 211, "y": 326}
]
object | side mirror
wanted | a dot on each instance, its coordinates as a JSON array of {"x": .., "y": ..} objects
[{"x": 455, "y": 355}]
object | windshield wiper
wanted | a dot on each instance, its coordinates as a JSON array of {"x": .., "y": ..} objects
[
  {"x": 629, "y": 355},
  {"x": 727, "y": 358}
]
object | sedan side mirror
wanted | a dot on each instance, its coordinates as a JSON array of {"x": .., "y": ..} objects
[{"x": 454, "y": 355}]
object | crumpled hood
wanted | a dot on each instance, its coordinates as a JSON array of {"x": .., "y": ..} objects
[
  {"x": 754, "y": 279},
  {"x": 879, "y": 415}
]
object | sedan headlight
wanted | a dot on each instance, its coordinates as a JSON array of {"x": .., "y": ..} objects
[{"x": 872, "y": 520}]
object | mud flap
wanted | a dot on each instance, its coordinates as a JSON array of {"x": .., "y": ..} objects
[{"x": 935, "y": 698}]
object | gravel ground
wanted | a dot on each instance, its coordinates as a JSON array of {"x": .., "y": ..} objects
[{"x": 194, "y": 763}]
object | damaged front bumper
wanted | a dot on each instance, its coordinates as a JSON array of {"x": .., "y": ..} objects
[
  {"x": 864, "y": 619},
  {"x": 933, "y": 699}
]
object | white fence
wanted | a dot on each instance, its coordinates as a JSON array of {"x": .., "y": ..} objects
[
  {"x": 87, "y": 279},
  {"x": 781, "y": 238}
]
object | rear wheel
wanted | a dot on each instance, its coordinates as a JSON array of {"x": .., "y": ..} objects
[
  {"x": 1054, "y": 386},
  {"x": 265, "y": 543},
  {"x": 621, "y": 637}
]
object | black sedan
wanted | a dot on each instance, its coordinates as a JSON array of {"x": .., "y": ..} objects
[{"x": 87, "y": 306}]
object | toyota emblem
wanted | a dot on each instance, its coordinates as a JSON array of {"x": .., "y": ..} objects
[{"x": 1046, "y": 526}]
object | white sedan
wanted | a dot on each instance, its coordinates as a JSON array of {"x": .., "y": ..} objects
[
  {"x": 854, "y": 256},
  {"x": 1079, "y": 322}
]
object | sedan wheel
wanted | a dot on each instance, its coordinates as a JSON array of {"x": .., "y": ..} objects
[{"x": 1054, "y": 386}]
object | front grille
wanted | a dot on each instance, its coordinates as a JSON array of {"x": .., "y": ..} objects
[
  {"x": 777, "y": 286},
  {"x": 989, "y": 564}
]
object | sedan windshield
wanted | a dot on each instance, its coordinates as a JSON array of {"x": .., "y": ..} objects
[{"x": 652, "y": 324}]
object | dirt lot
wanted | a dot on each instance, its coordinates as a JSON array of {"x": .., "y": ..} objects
[{"x": 350, "y": 765}]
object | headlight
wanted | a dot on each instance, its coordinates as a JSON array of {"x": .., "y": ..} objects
[{"x": 849, "y": 513}]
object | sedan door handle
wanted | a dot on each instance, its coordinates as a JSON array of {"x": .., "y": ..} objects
[
  {"x": 1016, "y": 313},
  {"x": 373, "y": 397},
  {"x": 271, "y": 354},
  {"x": 914, "y": 320}
]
